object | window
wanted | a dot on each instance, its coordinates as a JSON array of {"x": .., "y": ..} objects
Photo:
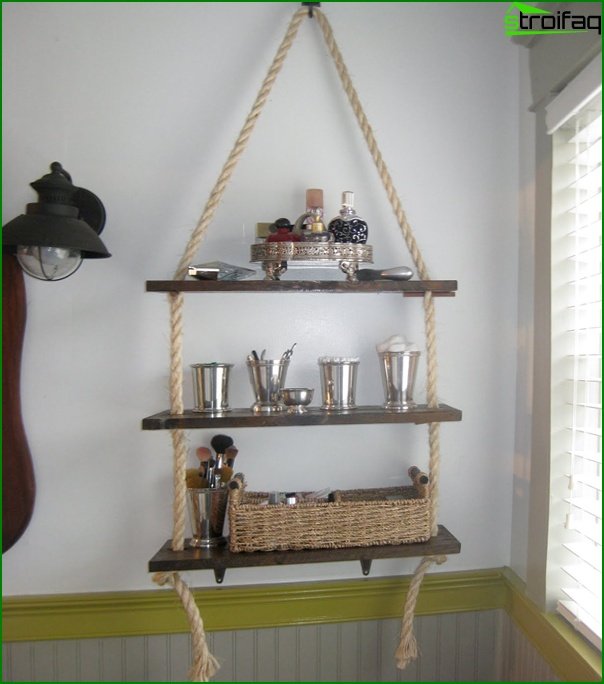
[{"x": 575, "y": 544}]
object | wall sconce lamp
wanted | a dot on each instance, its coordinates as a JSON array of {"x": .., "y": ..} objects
[
  {"x": 48, "y": 242},
  {"x": 60, "y": 230}
]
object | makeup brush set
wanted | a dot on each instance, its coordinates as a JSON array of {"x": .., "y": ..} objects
[
  {"x": 208, "y": 488},
  {"x": 215, "y": 469}
]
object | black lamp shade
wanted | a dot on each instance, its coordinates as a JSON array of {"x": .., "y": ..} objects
[
  {"x": 47, "y": 230},
  {"x": 65, "y": 216}
]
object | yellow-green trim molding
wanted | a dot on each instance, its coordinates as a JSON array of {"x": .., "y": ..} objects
[
  {"x": 571, "y": 657},
  {"x": 135, "y": 613}
]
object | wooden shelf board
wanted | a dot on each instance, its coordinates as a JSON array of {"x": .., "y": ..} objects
[
  {"x": 314, "y": 416},
  {"x": 409, "y": 288},
  {"x": 221, "y": 558}
]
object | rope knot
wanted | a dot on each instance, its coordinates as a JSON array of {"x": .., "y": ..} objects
[{"x": 163, "y": 578}]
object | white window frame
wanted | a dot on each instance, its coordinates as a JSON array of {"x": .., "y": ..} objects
[{"x": 560, "y": 113}]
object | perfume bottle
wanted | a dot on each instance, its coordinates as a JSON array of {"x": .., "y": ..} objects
[
  {"x": 314, "y": 206},
  {"x": 316, "y": 231},
  {"x": 310, "y": 224},
  {"x": 348, "y": 226},
  {"x": 282, "y": 231}
]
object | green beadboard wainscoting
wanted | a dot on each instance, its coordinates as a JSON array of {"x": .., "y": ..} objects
[{"x": 77, "y": 616}]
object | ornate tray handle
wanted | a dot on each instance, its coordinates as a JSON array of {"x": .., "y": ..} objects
[{"x": 274, "y": 256}]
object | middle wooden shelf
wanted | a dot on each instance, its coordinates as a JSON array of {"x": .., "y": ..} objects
[{"x": 240, "y": 417}]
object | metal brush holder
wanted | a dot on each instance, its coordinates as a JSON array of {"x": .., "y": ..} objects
[
  {"x": 268, "y": 378},
  {"x": 207, "y": 510},
  {"x": 338, "y": 383},
  {"x": 398, "y": 376},
  {"x": 211, "y": 387}
]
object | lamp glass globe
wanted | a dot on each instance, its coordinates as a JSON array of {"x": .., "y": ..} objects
[{"x": 48, "y": 263}]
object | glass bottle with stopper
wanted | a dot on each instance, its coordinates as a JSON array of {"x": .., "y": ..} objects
[
  {"x": 282, "y": 231},
  {"x": 348, "y": 226},
  {"x": 310, "y": 224}
]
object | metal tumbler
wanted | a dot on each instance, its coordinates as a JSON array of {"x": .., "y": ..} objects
[
  {"x": 398, "y": 376},
  {"x": 211, "y": 387},
  {"x": 268, "y": 379},
  {"x": 207, "y": 510},
  {"x": 338, "y": 383}
]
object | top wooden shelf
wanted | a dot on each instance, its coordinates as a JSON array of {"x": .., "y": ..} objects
[{"x": 408, "y": 288}]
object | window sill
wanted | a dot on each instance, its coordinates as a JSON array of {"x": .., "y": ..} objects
[{"x": 569, "y": 654}]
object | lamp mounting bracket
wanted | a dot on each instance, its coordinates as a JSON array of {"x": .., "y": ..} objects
[{"x": 91, "y": 209}]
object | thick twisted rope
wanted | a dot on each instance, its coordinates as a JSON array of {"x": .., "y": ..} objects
[
  {"x": 179, "y": 442},
  {"x": 407, "y": 649},
  {"x": 177, "y": 300},
  {"x": 372, "y": 144},
  {"x": 432, "y": 399},
  {"x": 422, "y": 271},
  {"x": 204, "y": 664},
  {"x": 240, "y": 144}
]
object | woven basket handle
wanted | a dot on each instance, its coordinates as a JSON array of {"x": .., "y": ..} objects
[
  {"x": 236, "y": 486},
  {"x": 420, "y": 481}
]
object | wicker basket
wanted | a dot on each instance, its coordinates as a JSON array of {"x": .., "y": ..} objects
[{"x": 357, "y": 517}]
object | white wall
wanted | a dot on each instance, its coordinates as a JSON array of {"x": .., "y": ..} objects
[{"x": 141, "y": 102}]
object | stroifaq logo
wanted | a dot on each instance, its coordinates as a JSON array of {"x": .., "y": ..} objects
[{"x": 527, "y": 20}]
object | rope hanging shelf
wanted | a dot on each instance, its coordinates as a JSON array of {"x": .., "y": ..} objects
[{"x": 204, "y": 665}]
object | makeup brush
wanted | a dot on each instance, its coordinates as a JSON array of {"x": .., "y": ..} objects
[
  {"x": 231, "y": 453},
  {"x": 212, "y": 474},
  {"x": 220, "y": 443},
  {"x": 204, "y": 455},
  {"x": 228, "y": 463},
  {"x": 195, "y": 479},
  {"x": 396, "y": 273}
]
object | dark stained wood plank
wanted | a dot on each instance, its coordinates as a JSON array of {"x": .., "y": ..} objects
[
  {"x": 18, "y": 480},
  {"x": 166, "y": 560},
  {"x": 440, "y": 288},
  {"x": 314, "y": 416}
]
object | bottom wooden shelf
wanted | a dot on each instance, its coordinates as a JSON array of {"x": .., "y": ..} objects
[{"x": 219, "y": 559}]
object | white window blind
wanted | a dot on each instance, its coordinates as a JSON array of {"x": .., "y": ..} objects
[{"x": 575, "y": 553}]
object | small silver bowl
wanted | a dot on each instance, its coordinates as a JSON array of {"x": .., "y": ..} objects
[{"x": 297, "y": 398}]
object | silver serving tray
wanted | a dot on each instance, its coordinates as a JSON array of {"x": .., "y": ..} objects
[{"x": 274, "y": 256}]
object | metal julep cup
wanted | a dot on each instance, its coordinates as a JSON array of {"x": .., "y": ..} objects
[
  {"x": 211, "y": 387},
  {"x": 207, "y": 510},
  {"x": 338, "y": 383},
  {"x": 398, "y": 376},
  {"x": 268, "y": 379}
]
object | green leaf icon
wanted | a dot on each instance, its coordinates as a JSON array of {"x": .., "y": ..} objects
[{"x": 526, "y": 9}]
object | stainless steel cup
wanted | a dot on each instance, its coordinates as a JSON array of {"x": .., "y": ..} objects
[
  {"x": 207, "y": 510},
  {"x": 338, "y": 384},
  {"x": 211, "y": 387},
  {"x": 268, "y": 378},
  {"x": 398, "y": 376}
]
